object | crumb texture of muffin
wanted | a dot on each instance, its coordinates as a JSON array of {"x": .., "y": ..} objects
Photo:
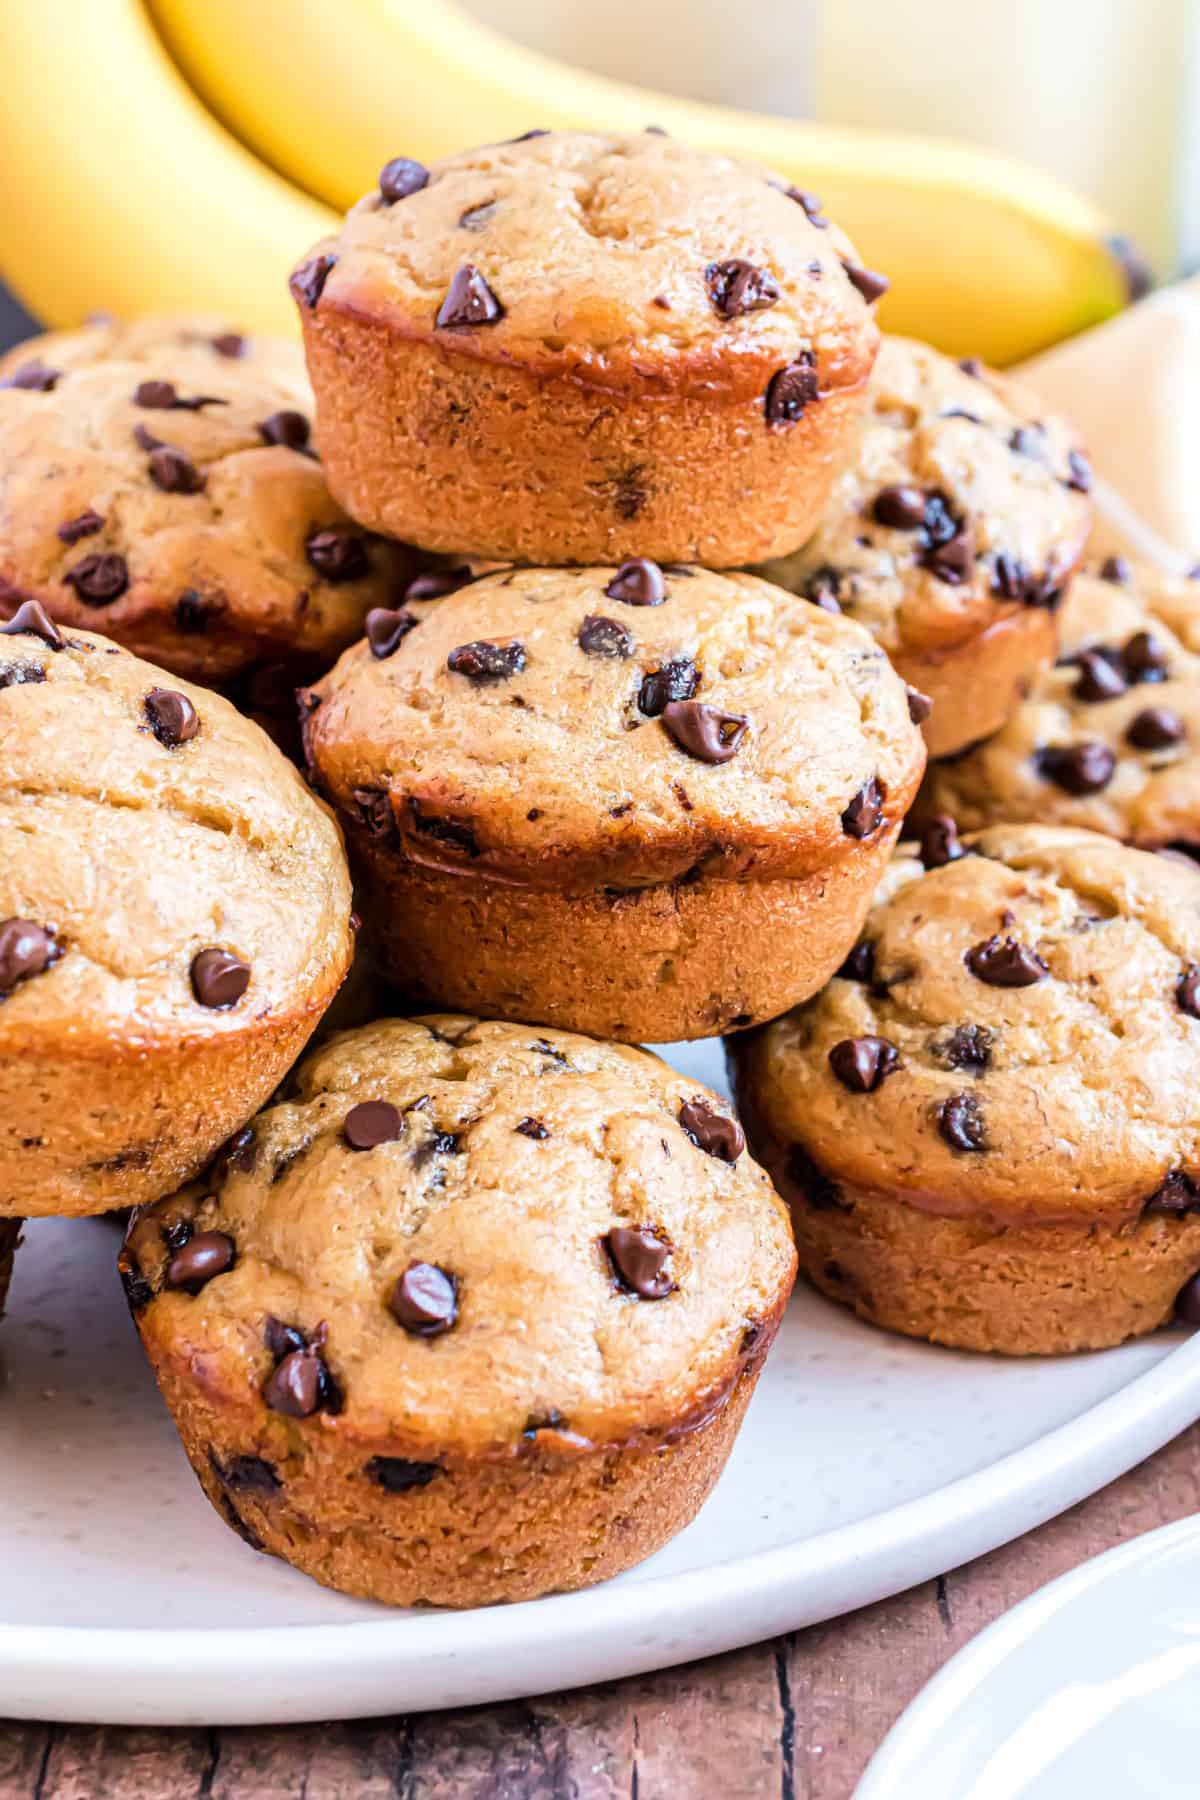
[
  {"x": 952, "y": 533},
  {"x": 576, "y": 347},
  {"x": 168, "y": 494},
  {"x": 645, "y": 802},
  {"x": 986, "y": 1124},
  {"x": 472, "y": 1314},
  {"x": 1109, "y": 739},
  {"x": 174, "y": 918}
]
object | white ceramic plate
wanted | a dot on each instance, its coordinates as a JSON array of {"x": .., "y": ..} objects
[
  {"x": 1089, "y": 1687},
  {"x": 866, "y": 1464}
]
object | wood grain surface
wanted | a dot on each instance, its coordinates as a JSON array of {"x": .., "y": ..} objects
[{"x": 797, "y": 1718}]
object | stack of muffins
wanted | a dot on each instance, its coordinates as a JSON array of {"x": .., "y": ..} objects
[{"x": 651, "y": 578}]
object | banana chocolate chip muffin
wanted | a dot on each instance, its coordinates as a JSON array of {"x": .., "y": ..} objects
[
  {"x": 1109, "y": 739},
  {"x": 167, "y": 493},
  {"x": 580, "y": 346},
  {"x": 986, "y": 1124},
  {"x": 952, "y": 533},
  {"x": 649, "y": 803},
  {"x": 471, "y": 1315},
  {"x": 174, "y": 919}
]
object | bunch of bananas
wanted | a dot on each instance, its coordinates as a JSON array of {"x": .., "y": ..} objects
[{"x": 175, "y": 154}]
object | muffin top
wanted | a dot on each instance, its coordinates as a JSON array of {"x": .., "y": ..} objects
[
  {"x": 168, "y": 494},
  {"x": 164, "y": 872},
  {"x": 477, "y": 1233},
  {"x": 1015, "y": 1037},
  {"x": 606, "y": 258},
  {"x": 615, "y": 726},
  {"x": 961, "y": 499},
  {"x": 1110, "y": 738}
]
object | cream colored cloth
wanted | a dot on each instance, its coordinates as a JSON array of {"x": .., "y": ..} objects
[{"x": 1132, "y": 387}]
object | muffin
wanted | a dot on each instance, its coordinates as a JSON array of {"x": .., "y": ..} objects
[
  {"x": 169, "y": 495},
  {"x": 472, "y": 1315},
  {"x": 641, "y": 802},
  {"x": 986, "y": 1125},
  {"x": 1109, "y": 739},
  {"x": 577, "y": 347},
  {"x": 951, "y": 534},
  {"x": 174, "y": 918}
]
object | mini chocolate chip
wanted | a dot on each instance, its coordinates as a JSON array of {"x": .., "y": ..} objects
[
  {"x": 1077, "y": 768},
  {"x": 1187, "y": 988},
  {"x": 1145, "y": 657},
  {"x": 791, "y": 389},
  {"x": 865, "y": 812},
  {"x": 99, "y": 579},
  {"x": 1156, "y": 728},
  {"x": 435, "y": 584},
  {"x": 26, "y": 949},
  {"x": 469, "y": 301},
  {"x": 676, "y": 680},
  {"x": 246, "y": 1474},
  {"x": 476, "y": 218},
  {"x": 870, "y": 284},
  {"x": 1005, "y": 962},
  {"x": 953, "y": 560},
  {"x": 941, "y": 522},
  {"x": 638, "y": 1257},
  {"x": 920, "y": 706},
  {"x": 237, "y": 1152},
  {"x": 971, "y": 365},
  {"x": 208, "y": 1254},
  {"x": 1027, "y": 440},
  {"x": 229, "y": 344},
  {"x": 33, "y": 376},
  {"x": 968, "y": 1047},
  {"x": 738, "y": 287},
  {"x": 425, "y": 1300},
  {"x": 822, "y": 588},
  {"x": 297, "y": 1386},
  {"x": 638, "y": 582},
  {"x": 32, "y": 620},
  {"x": 532, "y": 1128},
  {"x": 171, "y": 717},
  {"x": 1079, "y": 474},
  {"x": 173, "y": 472},
  {"x": 900, "y": 507},
  {"x": 371, "y": 1123},
  {"x": 289, "y": 429},
  {"x": 1116, "y": 568},
  {"x": 308, "y": 281},
  {"x": 1099, "y": 679},
  {"x": 282, "y": 1339},
  {"x": 219, "y": 979},
  {"x": 162, "y": 396},
  {"x": 396, "y": 1475},
  {"x": 862, "y": 1063},
  {"x": 860, "y": 964},
  {"x": 704, "y": 732},
  {"x": 337, "y": 554},
  {"x": 711, "y": 1131},
  {"x": 1187, "y": 1302},
  {"x": 483, "y": 661},
  {"x": 401, "y": 177},
  {"x": 598, "y": 636},
  {"x": 386, "y": 630},
  {"x": 84, "y": 524},
  {"x": 940, "y": 843},
  {"x": 146, "y": 439},
  {"x": 960, "y": 1122},
  {"x": 1178, "y": 1195},
  {"x": 194, "y": 610},
  {"x": 811, "y": 203}
]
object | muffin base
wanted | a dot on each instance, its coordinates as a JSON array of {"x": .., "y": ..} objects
[
  {"x": 10, "y": 1237},
  {"x": 512, "y": 463},
  {"x": 978, "y": 684},
  {"x": 688, "y": 959}
]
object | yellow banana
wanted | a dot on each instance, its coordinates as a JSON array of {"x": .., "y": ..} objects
[
  {"x": 985, "y": 254},
  {"x": 121, "y": 191}
]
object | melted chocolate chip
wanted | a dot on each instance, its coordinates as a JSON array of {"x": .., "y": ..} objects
[
  {"x": 1116, "y": 568},
  {"x": 32, "y": 620},
  {"x": 194, "y": 610},
  {"x": 1145, "y": 657},
  {"x": 1100, "y": 678},
  {"x": 308, "y": 281},
  {"x": 371, "y": 1123},
  {"x": 638, "y": 1257},
  {"x": 455, "y": 832},
  {"x": 396, "y": 1475},
  {"x": 282, "y": 1339},
  {"x": 229, "y": 344},
  {"x": 960, "y": 1121},
  {"x": 532, "y": 1128},
  {"x": 84, "y": 524},
  {"x": 337, "y": 554},
  {"x": 822, "y": 588},
  {"x": 952, "y": 560},
  {"x": 246, "y": 1474},
  {"x": 99, "y": 579},
  {"x": 598, "y": 636},
  {"x": 1027, "y": 440},
  {"x": 173, "y": 472},
  {"x": 483, "y": 661},
  {"x": 235, "y": 1521},
  {"x": 477, "y": 218},
  {"x": 713, "y": 1132},
  {"x": 301, "y": 1385},
  {"x": 704, "y": 732},
  {"x": 219, "y": 979},
  {"x": 900, "y": 507},
  {"x": 237, "y": 1152},
  {"x": 811, "y": 203},
  {"x": 860, "y": 964},
  {"x": 638, "y": 582},
  {"x": 865, "y": 812},
  {"x": 1178, "y": 1195},
  {"x": 469, "y": 301},
  {"x": 1156, "y": 728},
  {"x": 425, "y": 1300},
  {"x": 171, "y": 717},
  {"x": 146, "y": 439},
  {"x": 940, "y": 842},
  {"x": 792, "y": 389},
  {"x": 870, "y": 284},
  {"x": 863, "y": 1063},
  {"x": 971, "y": 365},
  {"x": 1079, "y": 474},
  {"x": 676, "y": 680},
  {"x": 1005, "y": 962},
  {"x": 26, "y": 949},
  {"x": 1187, "y": 988},
  {"x": 158, "y": 396},
  {"x": 968, "y": 1047},
  {"x": 387, "y": 629},
  {"x": 290, "y": 430},
  {"x": 738, "y": 287},
  {"x": 435, "y": 584},
  {"x": 920, "y": 706},
  {"x": 1077, "y": 768},
  {"x": 1187, "y": 1302},
  {"x": 401, "y": 177},
  {"x": 204, "y": 1256},
  {"x": 34, "y": 377}
]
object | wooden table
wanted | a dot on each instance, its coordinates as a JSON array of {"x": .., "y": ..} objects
[{"x": 796, "y": 1718}]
